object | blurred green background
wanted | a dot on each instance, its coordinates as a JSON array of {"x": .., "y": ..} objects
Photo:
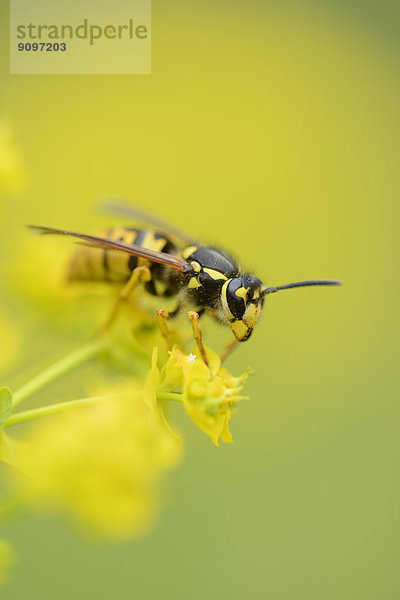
[{"x": 270, "y": 128}]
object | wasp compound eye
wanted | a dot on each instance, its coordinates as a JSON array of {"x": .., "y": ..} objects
[{"x": 236, "y": 298}]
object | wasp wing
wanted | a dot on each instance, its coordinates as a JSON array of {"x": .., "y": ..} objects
[
  {"x": 140, "y": 215},
  {"x": 98, "y": 242}
]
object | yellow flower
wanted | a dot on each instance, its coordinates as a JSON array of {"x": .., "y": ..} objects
[
  {"x": 12, "y": 173},
  {"x": 210, "y": 394},
  {"x": 102, "y": 464},
  {"x": 174, "y": 369},
  {"x": 10, "y": 450},
  {"x": 11, "y": 340},
  {"x": 7, "y": 559}
]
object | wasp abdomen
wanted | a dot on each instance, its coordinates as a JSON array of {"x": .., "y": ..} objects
[{"x": 98, "y": 264}]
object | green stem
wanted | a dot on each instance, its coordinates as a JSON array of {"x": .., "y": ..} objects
[
  {"x": 52, "y": 409},
  {"x": 169, "y": 396},
  {"x": 57, "y": 369}
]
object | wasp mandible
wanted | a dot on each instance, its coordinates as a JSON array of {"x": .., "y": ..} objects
[{"x": 167, "y": 262}]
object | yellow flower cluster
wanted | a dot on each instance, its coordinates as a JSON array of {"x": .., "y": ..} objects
[
  {"x": 9, "y": 332},
  {"x": 210, "y": 394},
  {"x": 101, "y": 463},
  {"x": 101, "y": 460},
  {"x": 12, "y": 173}
]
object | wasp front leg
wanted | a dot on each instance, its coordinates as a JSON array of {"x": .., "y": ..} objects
[
  {"x": 194, "y": 319},
  {"x": 140, "y": 274},
  {"x": 162, "y": 316}
]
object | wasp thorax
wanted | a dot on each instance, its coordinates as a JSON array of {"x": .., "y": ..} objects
[{"x": 241, "y": 302}]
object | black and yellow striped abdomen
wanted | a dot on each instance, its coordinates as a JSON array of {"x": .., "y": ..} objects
[{"x": 98, "y": 264}]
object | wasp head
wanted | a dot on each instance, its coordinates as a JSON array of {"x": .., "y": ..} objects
[{"x": 242, "y": 301}]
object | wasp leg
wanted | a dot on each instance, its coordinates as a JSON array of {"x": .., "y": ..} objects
[
  {"x": 139, "y": 274},
  {"x": 228, "y": 350},
  {"x": 162, "y": 316},
  {"x": 194, "y": 318}
]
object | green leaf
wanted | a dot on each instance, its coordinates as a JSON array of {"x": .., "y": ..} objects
[{"x": 5, "y": 405}]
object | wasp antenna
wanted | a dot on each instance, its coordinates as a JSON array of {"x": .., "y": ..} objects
[{"x": 296, "y": 284}]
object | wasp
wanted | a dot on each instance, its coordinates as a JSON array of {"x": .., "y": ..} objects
[{"x": 204, "y": 279}]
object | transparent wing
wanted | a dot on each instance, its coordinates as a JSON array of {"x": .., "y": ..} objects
[
  {"x": 140, "y": 215},
  {"x": 98, "y": 242}
]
